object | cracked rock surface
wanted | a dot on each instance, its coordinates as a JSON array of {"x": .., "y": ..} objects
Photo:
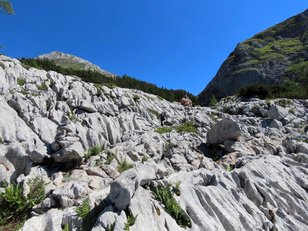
[{"x": 244, "y": 167}]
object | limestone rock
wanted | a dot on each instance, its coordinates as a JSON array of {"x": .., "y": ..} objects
[
  {"x": 277, "y": 112},
  {"x": 185, "y": 101},
  {"x": 50, "y": 221},
  {"x": 123, "y": 188},
  {"x": 245, "y": 172},
  {"x": 226, "y": 129}
]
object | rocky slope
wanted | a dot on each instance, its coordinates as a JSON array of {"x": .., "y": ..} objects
[
  {"x": 74, "y": 62},
  {"x": 268, "y": 58},
  {"x": 240, "y": 166}
]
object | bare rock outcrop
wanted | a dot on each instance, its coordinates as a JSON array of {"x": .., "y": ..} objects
[{"x": 235, "y": 166}]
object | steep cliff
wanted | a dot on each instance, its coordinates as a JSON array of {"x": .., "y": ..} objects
[{"x": 267, "y": 58}]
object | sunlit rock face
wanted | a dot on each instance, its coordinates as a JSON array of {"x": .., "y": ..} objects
[
  {"x": 269, "y": 57},
  {"x": 234, "y": 166}
]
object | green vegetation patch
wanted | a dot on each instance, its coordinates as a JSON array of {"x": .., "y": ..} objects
[
  {"x": 187, "y": 127},
  {"x": 15, "y": 207},
  {"x": 213, "y": 100},
  {"x": 93, "y": 151},
  {"x": 110, "y": 157},
  {"x": 21, "y": 81},
  {"x": 299, "y": 70},
  {"x": 279, "y": 48},
  {"x": 131, "y": 219},
  {"x": 99, "y": 78},
  {"x": 124, "y": 165},
  {"x": 163, "y": 130},
  {"x": 165, "y": 196},
  {"x": 42, "y": 87},
  {"x": 289, "y": 89},
  {"x": 84, "y": 212}
]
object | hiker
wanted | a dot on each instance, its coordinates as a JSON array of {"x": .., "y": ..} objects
[{"x": 163, "y": 116}]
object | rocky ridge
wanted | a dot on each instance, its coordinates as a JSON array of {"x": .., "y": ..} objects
[
  {"x": 269, "y": 57},
  {"x": 253, "y": 177},
  {"x": 74, "y": 62}
]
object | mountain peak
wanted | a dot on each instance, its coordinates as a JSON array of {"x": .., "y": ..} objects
[
  {"x": 268, "y": 58},
  {"x": 73, "y": 61}
]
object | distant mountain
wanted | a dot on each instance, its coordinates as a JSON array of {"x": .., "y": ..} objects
[
  {"x": 73, "y": 62},
  {"x": 269, "y": 57},
  {"x": 100, "y": 78}
]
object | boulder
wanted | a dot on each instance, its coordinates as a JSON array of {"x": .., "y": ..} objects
[
  {"x": 50, "y": 221},
  {"x": 302, "y": 147},
  {"x": 124, "y": 187},
  {"x": 109, "y": 217},
  {"x": 226, "y": 129},
  {"x": 72, "y": 150},
  {"x": 185, "y": 101},
  {"x": 277, "y": 112}
]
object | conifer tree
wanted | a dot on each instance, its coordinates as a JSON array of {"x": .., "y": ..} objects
[{"x": 6, "y": 7}]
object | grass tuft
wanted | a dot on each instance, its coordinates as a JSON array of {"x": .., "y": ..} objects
[
  {"x": 15, "y": 207},
  {"x": 93, "y": 151},
  {"x": 187, "y": 127},
  {"x": 124, "y": 165},
  {"x": 163, "y": 130},
  {"x": 164, "y": 195},
  {"x": 21, "y": 81}
]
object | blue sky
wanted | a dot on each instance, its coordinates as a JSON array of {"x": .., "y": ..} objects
[{"x": 172, "y": 43}]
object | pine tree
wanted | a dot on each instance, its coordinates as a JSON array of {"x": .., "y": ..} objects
[{"x": 6, "y": 7}]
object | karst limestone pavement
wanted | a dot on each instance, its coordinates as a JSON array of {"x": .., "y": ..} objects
[{"x": 244, "y": 169}]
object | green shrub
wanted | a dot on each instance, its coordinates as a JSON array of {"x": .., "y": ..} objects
[
  {"x": 15, "y": 206},
  {"x": 42, "y": 87},
  {"x": 186, "y": 127},
  {"x": 1, "y": 140},
  {"x": 229, "y": 168},
  {"x": 164, "y": 195},
  {"x": 21, "y": 81},
  {"x": 130, "y": 221},
  {"x": 83, "y": 211},
  {"x": 285, "y": 103},
  {"x": 167, "y": 147},
  {"x": 288, "y": 89},
  {"x": 124, "y": 165},
  {"x": 268, "y": 102},
  {"x": 66, "y": 228},
  {"x": 214, "y": 116},
  {"x": 72, "y": 117},
  {"x": 93, "y": 151},
  {"x": 176, "y": 188},
  {"x": 37, "y": 192},
  {"x": 163, "y": 130},
  {"x": 213, "y": 100},
  {"x": 144, "y": 159},
  {"x": 110, "y": 157},
  {"x": 292, "y": 110}
]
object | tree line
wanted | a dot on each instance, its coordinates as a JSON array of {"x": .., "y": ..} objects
[{"x": 124, "y": 81}]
